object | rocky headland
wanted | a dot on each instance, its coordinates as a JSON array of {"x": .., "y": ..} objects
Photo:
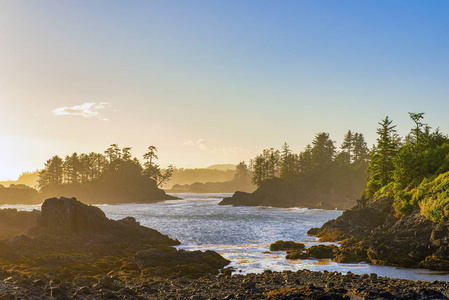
[
  {"x": 372, "y": 232},
  {"x": 279, "y": 193},
  {"x": 91, "y": 193}
]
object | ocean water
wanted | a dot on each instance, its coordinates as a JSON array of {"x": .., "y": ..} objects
[{"x": 243, "y": 234}]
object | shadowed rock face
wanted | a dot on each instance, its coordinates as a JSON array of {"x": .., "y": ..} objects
[
  {"x": 166, "y": 259},
  {"x": 13, "y": 222},
  {"x": 277, "y": 193},
  {"x": 377, "y": 236},
  {"x": 70, "y": 217}
]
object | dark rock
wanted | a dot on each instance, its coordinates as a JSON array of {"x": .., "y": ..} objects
[
  {"x": 279, "y": 193},
  {"x": 14, "y": 223},
  {"x": 296, "y": 254},
  {"x": 379, "y": 237},
  {"x": 69, "y": 217},
  {"x": 322, "y": 251},
  {"x": 286, "y": 245},
  {"x": 357, "y": 222},
  {"x": 189, "y": 263}
]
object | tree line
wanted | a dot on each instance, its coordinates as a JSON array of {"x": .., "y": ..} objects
[
  {"x": 414, "y": 169},
  {"x": 319, "y": 160},
  {"x": 113, "y": 166}
]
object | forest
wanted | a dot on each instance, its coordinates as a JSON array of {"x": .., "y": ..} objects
[
  {"x": 414, "y": 170},
  {"x": 319, "y": 169},
  {"x": 112, "y": 177}
]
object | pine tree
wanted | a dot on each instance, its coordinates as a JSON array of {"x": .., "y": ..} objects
[
  {"x": 348, "y": 144},
  {"x": 323, "y": 151},
  {"x": 381, "y": 164}
]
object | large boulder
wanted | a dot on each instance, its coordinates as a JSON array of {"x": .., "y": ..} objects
[
  {"x": 357, "y": 222},
  {"x": 166, "y": 259},
  {"x": 70, "y": 217}
]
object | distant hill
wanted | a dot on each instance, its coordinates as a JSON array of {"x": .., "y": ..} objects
[
  {"x": 26, "y": 178},
  {"x": 189, "y": 176},
  {"x": 222, "y": 167}
]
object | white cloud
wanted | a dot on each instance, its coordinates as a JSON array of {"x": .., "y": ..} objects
[
  {"x": 86, "y": 110},
  {"x": 229, "y": 151}
]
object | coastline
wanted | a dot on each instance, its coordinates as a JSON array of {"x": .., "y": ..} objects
[
  {"x": 302, "y": 284},
  {"x": 268, "y": 284}
]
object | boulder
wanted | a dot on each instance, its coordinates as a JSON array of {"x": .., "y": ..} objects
[
  {"x": 190, "y": 264},
  {"x": 322, "y": 251},
  {"x": 70, "y": 217},
  {"x": 286, "y": 245},
  {"x": 357, "y": 222}
]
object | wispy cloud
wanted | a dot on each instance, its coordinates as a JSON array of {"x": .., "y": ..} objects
[
  {"x": 230, "y": 151},
  {"x": 86, "y": 110}
]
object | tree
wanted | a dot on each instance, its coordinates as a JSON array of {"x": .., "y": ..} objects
[
  {"x": 52, "y": 174},
  {"x": 305, "y": 160},
  {"x": 113, "y": 152},
  {"x": 289, "y": 164},
  {"x": 348, "y": 144},
  {"x": 151, "y": 154},
  {"x": 415, "y": 132},
  {"x": 323, "y": 151},
  {"x": 360, "y": 149},
  {"x": 153, "y": 171},
  {"x": 242, "y": 173},
  {"x": 382, "y": 156},
  {"x": 72, "y": 168}
]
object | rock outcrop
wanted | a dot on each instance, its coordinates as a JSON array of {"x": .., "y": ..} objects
[
  {"x": 71, "y": 218},
  {"x": 14, "y": 222},
  {"x": 277, "y": 193},
  {"x": 371, "y": 232},
  {"x": 73, "y": 241},
  {"x": 165, "y": 259}
]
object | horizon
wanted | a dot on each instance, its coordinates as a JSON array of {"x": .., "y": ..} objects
[{"x": 213, "y": 82}]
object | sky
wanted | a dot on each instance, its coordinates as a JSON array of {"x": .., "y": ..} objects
[{"x": 211, "y": 82}]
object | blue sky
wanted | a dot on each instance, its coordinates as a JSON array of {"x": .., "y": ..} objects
[{"x": 213, "y": 81}]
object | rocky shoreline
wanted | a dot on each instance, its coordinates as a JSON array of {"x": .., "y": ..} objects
[
  {"x": 76, "y": 252},
  {"x": 303, "y": 284},
  {"x": 372, "y": 232}
]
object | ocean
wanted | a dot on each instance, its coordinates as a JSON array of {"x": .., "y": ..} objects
[{"x": 243, "y": 234}]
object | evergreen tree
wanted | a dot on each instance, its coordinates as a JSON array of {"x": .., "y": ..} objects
[
  {"x": 52, "y": 174},
  {"x": 360, "y": 149},
  {"x": 381, "y": 164},
  {"x": 289, "y": 164},
  {"x": 305, "y": 160},
  {"x": 323, "y": 151},
  {"x": 348, "y": 144}
]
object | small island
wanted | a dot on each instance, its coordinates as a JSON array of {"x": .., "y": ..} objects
[
  {"x": 109, "y": 178},
  {"x": 318, "y": 177}
]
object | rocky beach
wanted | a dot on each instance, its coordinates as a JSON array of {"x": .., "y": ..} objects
[{"x": 75, "y": 252}]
